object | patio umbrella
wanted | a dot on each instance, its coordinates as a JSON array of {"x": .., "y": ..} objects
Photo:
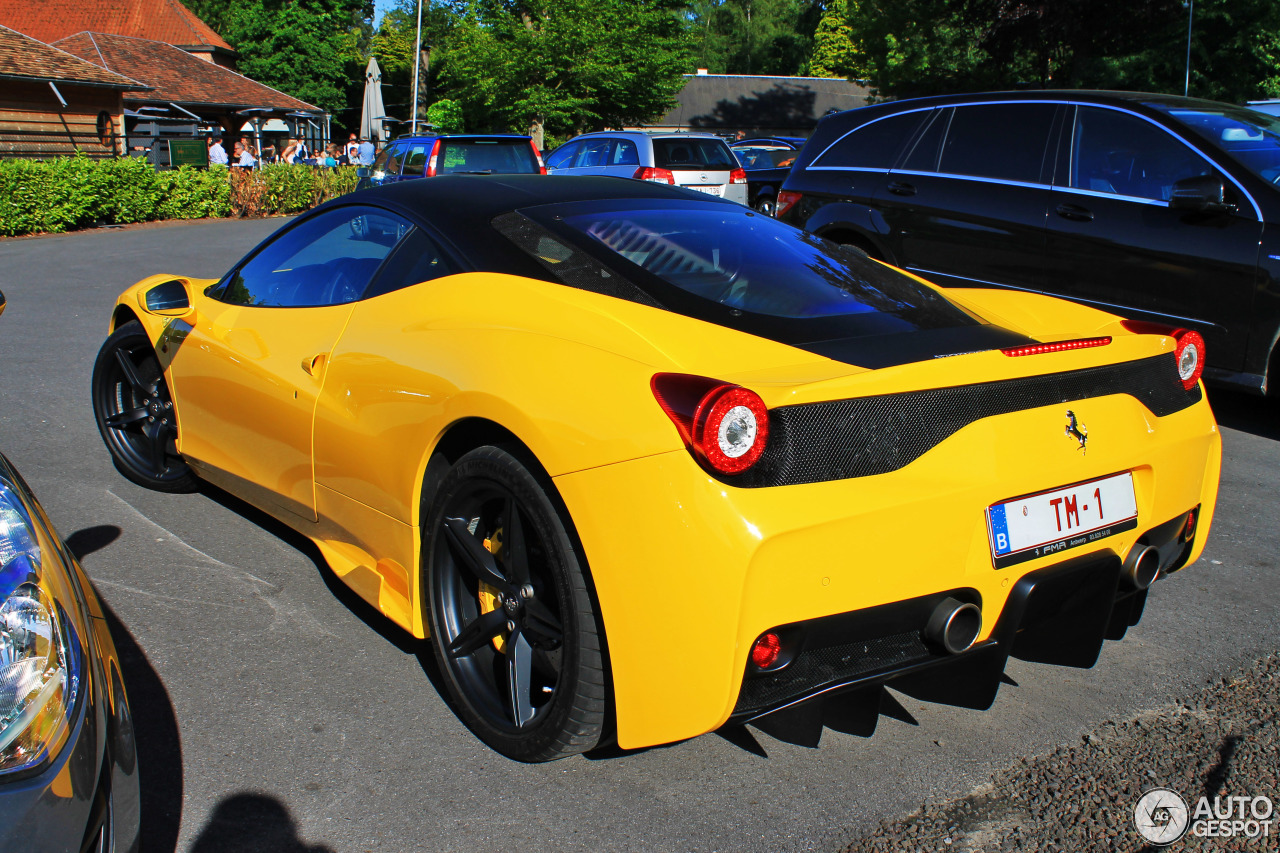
[{"x": 370, "y": 126}]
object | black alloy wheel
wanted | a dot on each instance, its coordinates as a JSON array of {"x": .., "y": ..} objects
[
  {"x": 135, "y": 414},
  {"x": 511, "y": 618}
]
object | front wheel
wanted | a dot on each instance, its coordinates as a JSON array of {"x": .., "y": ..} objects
[
  {"x": 511, "y": 618},
  {"x": 135, "y": 414}
]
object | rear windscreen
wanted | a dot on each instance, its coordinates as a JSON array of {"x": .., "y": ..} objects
[
  {"x": 500, "y": 157},
  {"x": 693, "y": 154}
]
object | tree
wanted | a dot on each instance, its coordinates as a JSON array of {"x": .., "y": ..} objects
[
  {"x": 565, "y": 65},
  {"x": 835, "y": 53},
  {"x": 446, "y": 115},
  {"x": 392, "y": 45},
  {"x": 754, "y": 36}
]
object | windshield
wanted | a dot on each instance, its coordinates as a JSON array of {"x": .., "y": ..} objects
[
  {"x": 747, "y": 263},
  {"x": 760, "y": 157},
  {"x": 1251, "y": 138}
]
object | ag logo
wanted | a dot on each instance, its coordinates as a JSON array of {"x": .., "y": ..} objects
[
  {"x": 1076, "y": 430},
  {"x": 1161, "y": 816}
]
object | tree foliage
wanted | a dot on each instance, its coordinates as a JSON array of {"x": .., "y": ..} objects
[
  {"x": 835, "y": 53},
  {"x": 754, "y": 36}
]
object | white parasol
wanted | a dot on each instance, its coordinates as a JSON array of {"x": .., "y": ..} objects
[{"x": 370, "y": 125}]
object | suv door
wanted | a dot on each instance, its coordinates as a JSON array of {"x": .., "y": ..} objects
[
  {"x": 1115, "y": 242},
  {"x": 966, "y": 205}
]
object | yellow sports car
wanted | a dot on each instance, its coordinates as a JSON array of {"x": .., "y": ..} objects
[{"x": 643, "y": 462}]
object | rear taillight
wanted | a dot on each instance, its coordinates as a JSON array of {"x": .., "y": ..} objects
[
  {"x": 786, "y": 200},
  {"x": 1189, "y": 350},
  {"x": 1056, "y": 346},
  {"x": 542, "y": 167},
  {"x": 658, "y": 176},
  {"x": 433, "y": 160},
  {"x": 726, "y": 426},
  {"x": 738, "y": 176}
]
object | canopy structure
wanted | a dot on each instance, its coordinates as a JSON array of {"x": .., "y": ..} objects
[{"x": 371, "y": 115}]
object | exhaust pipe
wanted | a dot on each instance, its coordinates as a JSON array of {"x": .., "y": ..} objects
[
  {"x": 954, "y": 625},
  {"x": 1142, "y": 566}
]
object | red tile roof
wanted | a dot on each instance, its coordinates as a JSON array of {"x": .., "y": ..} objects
[
  {"x": 176, "y": 75},
  {"x": 24, "y": 58},
  {"x": 160, "y": 20}
]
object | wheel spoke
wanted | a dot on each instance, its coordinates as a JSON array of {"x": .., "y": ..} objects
[
  {"x": 477, "y": 633},
  {"x": 515, "y": 556},
  {"x": 157, "y": 439},
  {"x": 541, "y": 624},
  {"x": 472, "y": 555},
  {"x": 519, "y": 676},
  {"x": 131, "y": 372},
  {"x": 123, "y": 419}
]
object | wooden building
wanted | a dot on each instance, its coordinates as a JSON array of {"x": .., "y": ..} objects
[{"x": 53, "y": 103}]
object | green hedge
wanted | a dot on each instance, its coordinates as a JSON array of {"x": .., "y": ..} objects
[{"x": 73, "y": 192}]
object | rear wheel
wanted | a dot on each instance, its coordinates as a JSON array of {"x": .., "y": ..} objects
[
  {"x": 511, "y": 618},
  {"x": 766, "y": 204},
  {"x": 135, "y": 414}
]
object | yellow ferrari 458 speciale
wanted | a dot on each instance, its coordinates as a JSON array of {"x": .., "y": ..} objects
[{"x": 643, "y": 463}]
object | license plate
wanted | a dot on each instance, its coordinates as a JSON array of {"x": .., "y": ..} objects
[
  {"x": 709, "y": 189},
  {"x": 1049, "y": 522}
]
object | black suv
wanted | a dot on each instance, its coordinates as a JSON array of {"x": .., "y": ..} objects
[{"x": 1159, "y": 208}]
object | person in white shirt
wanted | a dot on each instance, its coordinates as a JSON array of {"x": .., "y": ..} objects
[
  {"x": 217, "y": 154},
  {"x": 243, "y": 157},
  {"x": 353, "y": 148}
]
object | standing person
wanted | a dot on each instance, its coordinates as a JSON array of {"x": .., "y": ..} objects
[
  {"x": 365, "y": 155},
  {"x": 352, "y": 149},
  {"x": 217, "y": 154}
]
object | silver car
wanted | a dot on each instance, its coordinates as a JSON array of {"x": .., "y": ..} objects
[{"x": 698, "y": 161}]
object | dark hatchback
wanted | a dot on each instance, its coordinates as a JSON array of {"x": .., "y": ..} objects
[
  {"x": 425, "y": 156},
  {"x": 767, "y": 162},
  {"x": 1156, "y": 207}
]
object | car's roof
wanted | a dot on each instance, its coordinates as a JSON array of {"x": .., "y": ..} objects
[
  {"x": 647, "y": 134},
  {"x": 1100, "y": 96},
  {"x": 425, "y": 137}
]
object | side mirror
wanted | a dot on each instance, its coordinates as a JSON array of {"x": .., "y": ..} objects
[
  {"x": 1204, "y": 193},
  {"x": 362, "y": 171},
  {"x": 169, "y": 298}
]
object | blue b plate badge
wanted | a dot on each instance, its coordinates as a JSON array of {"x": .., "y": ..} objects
[{"x": 1048, "y": 522}]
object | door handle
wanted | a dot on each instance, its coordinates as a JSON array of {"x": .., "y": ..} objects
[
  {"x": 902, "y": 188},
  {"x": 314, "y": 365},
  {"x": 1075, "y": 212}
]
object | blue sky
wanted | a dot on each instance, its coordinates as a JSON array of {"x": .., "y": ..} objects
[{"x": 380, "y": 8}]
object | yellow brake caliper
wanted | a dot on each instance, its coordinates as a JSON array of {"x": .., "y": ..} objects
[{"x": 488, "y": 595}]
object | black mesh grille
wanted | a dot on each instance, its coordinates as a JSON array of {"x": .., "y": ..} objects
[
  {"x": 814, "y": 668},
  {"x": 859, "y": 437}
]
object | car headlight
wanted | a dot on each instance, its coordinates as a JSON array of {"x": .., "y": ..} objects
[{"x": 40, "y": 654}]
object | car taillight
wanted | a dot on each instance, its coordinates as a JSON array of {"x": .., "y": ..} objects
[
  {"x": 726, "y": 426},
  {"x": 786, "y": 200},
  {"x": 542, "y": 167},
  {"x": 433, "y": 160},
  {"x": 1056, "y": 346},
  {"x": 738, "y": 176},
  {"x": 658, "y": 176},
  {"x": 1189, "y": 350}
]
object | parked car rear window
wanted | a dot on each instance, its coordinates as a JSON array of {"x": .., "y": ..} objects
[
  {"x": 693, "y": 153},
  {"x": 1002, "y": 141},
  {"x": 874, "y": 145},
  {"x": 753, "y": 157},
  {"x": 758, "y": 265},
  {"x": 507, "y": 157}
]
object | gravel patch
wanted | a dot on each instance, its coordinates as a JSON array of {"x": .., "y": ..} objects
[{"x": 1224, "y": 742}]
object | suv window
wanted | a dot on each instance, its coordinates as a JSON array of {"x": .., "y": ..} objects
[
  {"x": 388, "y": 160},
  {"x": 326, "y": 260},
  {"x": 562, "y": 157},
  {"x": 1120, "y": 153},
  {"x": 874, "y": 145},
  {"x": 693, "y": 153},
  {"x": 415, "y": 161},
  {"x": 1002, "y": 141},
  {"x": 497, "y": 156},
  {"x": 625, "y": 154},
  {"x": 594, "y": 153},
  {"x": 924, "y": 154}
]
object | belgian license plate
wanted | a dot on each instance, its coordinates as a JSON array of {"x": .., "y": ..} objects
[
  {"x": 1049, "y": 522},
  {"x": 709, "y": 189}
]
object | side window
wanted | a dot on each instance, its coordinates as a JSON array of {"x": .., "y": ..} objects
[
  {"x": 1002, "y": 141},
  {"x": 1119, "y": 153},
  {"x": 415, "y": 160},
  {"x": 417, "y": 258},
  {"x": 874, "y": 145},
  {"x": 625, "y": 154},
  {"x": 562, "y": 157},
  {"x": 924, "y": 154},
  {"x": 595, "y": 152},
  {"x": 326, "y": 260},
  {"x": 388, "y": 160}
]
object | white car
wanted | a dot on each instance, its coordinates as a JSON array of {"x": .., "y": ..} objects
[{"x": 698, "y": 161}]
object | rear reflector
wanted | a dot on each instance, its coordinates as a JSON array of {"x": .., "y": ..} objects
[
  {"x": 765, "y": 651},
  {"x": 1056, "y": 346},
  {"x": 1189, "y": 348}
]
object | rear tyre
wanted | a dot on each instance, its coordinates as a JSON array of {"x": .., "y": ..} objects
[
  {"x": 511, "y": 619},
  {"x": 135, "y": 414},
  {"x": 766, "y": 204}
]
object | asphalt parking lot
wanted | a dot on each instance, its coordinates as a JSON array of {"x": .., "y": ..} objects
[{"x": 277, "y": 712}]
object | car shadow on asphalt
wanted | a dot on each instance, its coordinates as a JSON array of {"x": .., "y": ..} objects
[
  {"x": 1249, "y": 413},
  {"x": 155, "y": 723}
]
